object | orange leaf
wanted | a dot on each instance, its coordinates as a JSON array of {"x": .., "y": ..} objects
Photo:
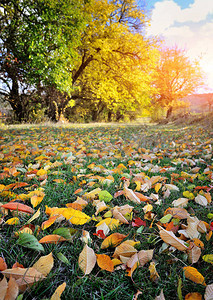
[
  {"x": 52, "y": 239},
  {"x": 105, "y": 262},
  {"x": 113, "y": 240},
  {"x": 17, "y": 265},
  {"x": 18, "y": 206},
  {"x": 193, "y": 274},
  {"x": 3, "y": 265},
  {"x": 75, "y": 206},
  {"x": 20, "y": 184},
  {"x": 193, "y": 296},
  {"x": 49, "y": 222}
]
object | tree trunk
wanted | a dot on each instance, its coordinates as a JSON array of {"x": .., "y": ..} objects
[
  {"x": 169, "y": 112},
  {"x": 15, "y": 100}
]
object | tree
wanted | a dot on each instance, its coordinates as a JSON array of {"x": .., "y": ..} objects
[
  {"x": 38, "y": 45},
  {"x": 176, "y": 76},
  {"x": 113, "y": 75}
]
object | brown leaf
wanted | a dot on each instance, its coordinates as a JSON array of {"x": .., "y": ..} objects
[
  {"x": 3, "y": 288},
  {"x": 12, "y": 290},
  {"x": 24, "y": 277},
  {"x": 161, "y": 296},
  {"x": 87, "y": 260},
  {"x": 209, "y": 292},
  {"x": 194, "y": 254},
  {"x": 169, "y": 238}
]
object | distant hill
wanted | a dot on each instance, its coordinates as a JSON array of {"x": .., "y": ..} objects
[{"x": 200, "y": 102}]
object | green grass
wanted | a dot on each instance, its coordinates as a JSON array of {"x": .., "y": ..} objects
[{"x": 173, "y": 146}]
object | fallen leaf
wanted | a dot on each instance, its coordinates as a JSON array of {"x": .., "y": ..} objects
[
  {"x": 52, "y": 239},
  {"x": 24, "y": 277},
  {"x": 3, "y": 264},
  {"x": 19, "y": 207},
  {"x": 193, "y": 274},
  {"x": 169, "y": 238},
  {"x": 209, "y": 292},
  {"x": 161, "y": 296},
  {"x": 58, "y": 292},
  {"x": 105, "y": 262},
  {"x": 49, "y": 222},
  {"x": 12, "y": 290},
  {"x": 201, "y": 200},
  {"x": 113, "y": 240},
  {"x": 87, "y": 260},
  {"x": 193, "y": 296},
  {"x": 45, "y": 264},
  {"x": 28, "y": 240},
  {"x": 208, "y": 258},
  {"x": 153, "y": 272},
  {"x": 3, "y": 288}
]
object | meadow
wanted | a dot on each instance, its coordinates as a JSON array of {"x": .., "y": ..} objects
[{"x": 100, "y": 211}]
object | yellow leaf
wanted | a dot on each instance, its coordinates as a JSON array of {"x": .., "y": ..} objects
[
  {"x": 36, "y": 200},
  {"x": 158, "y": 186},
  {"x": 105, "y": 262},
  {"x": 153, "y": 272},
  {"x": 113, "y": 240},
  {"x": 193, "y": 274},
  {"x": 58, "y": 292},
  {"x": 116, "y": 261},
  {"x": 35, "y": 216},
  {"x": 41, "y": 172},
  {"x": 12, "y": 221},
  {"x": 110, "y": 222},
  {"x": 75, "y": 216},
  {"x": 87, "y": 260},
  {"x": 208, "y": 258},
  {"x": 45, "y": 264}
]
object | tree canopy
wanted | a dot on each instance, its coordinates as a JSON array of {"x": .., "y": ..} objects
[
  {"x": 87, "y": 57},
  {"x": 176, "y": 76}
]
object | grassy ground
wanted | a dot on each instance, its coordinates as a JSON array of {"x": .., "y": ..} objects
[{"x": 165, "y": 151}]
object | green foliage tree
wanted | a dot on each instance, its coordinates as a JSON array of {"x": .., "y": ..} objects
[
  {"x": 38, "y": 45},
  {"x": 176, "y": 76}
]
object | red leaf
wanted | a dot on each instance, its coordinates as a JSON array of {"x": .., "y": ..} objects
[
  {"x": 138, "y": 222},
  {"x": 100, "y": 233},
  {"x": 211, "y": 226},
  {"x": 18, "y": 206}
]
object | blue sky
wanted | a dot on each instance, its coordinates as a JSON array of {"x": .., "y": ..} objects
[{"x": 187, "y": 24}]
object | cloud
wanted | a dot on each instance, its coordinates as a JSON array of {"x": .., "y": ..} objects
[{"x": 190, "y": 28}]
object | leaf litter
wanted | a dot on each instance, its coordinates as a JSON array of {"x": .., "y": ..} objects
[{"x": 132, "y": 201}]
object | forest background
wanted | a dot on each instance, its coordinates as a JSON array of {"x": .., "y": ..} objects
[{"x": 88, "y": 61}]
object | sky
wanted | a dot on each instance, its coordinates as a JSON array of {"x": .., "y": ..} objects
[{"x": 187, "y": 24}]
